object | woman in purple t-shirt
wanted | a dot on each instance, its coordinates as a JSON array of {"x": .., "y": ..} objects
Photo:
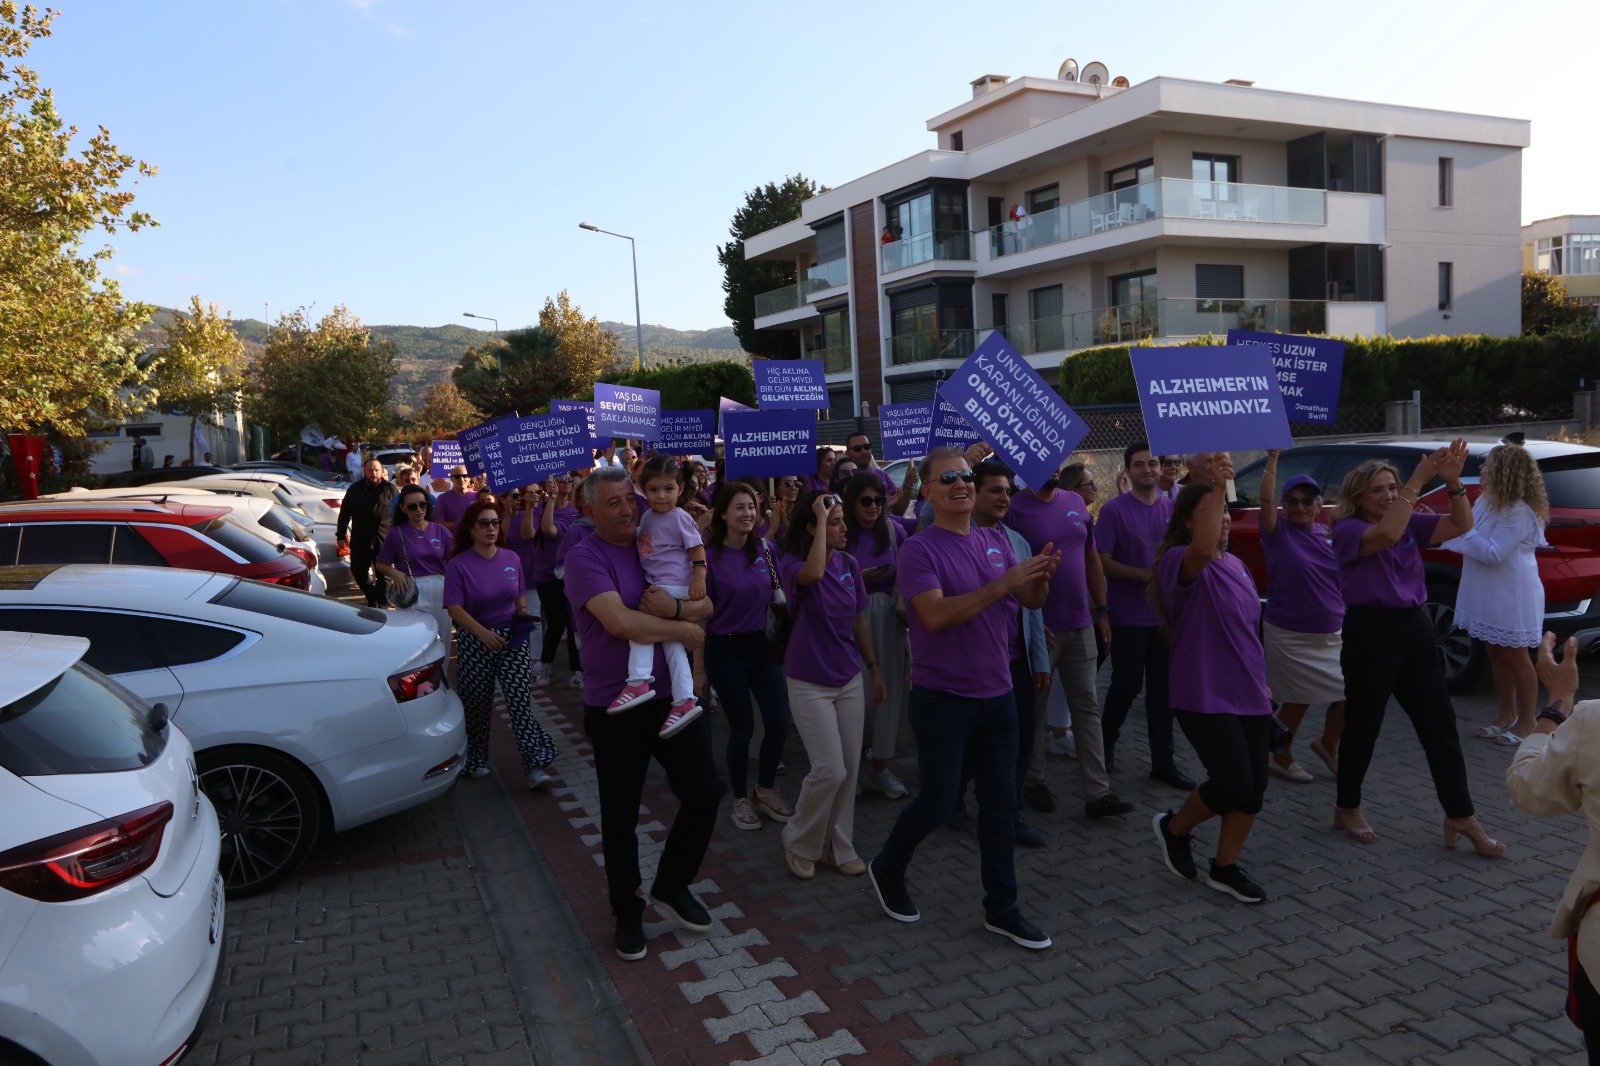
[
  {"x": 874, "y": 540},
  {"x": 827, "y": 697},
  {"x": 542, "y": 528},
  {"x": 416, "y": 549},
  {"x": 1388, "y": 637},
  {"x": 1207, "y": 602}
]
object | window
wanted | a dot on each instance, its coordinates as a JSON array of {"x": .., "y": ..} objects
[
  {"x": 9, "y": 536},
  {"x": 274, "y": 601},
  {"x": 1048, "y": 334},
  {"x": 1247, "y": 487},
  {"x": 1447, "y": 181},
  {"x": 1045, "y": 199},
  {"x": 150, "y": 429},
  {"x": 65, "y": 542},
  {"x": 1575, "y": 253},
  {"x": 1135, "y": 174},
  {"x": 956, "y": 143},
  {"x": 183, "y": 643},
  {"x": 1223, "y": 168},
  {"x": 116, "y": 645},
  {"x": 130, "y": 549},
  {"x": 1218, "y": 281},
  {"x": 1446, "y": 285},
  {"x": 1548, "y": 256},
  {"x": 80, "y": 723},
  {"x": 244, "y": 544}
]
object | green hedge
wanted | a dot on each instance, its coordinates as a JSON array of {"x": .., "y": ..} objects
[
  {"x": 1532, "y": 372},
  {"x": 695, "y": 387}
]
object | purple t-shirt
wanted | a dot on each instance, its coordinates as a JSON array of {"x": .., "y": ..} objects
[
  {"x": 822, "y": 646},
  {"x": 595, "y": 567},
  {"x": 487, "y": 588},
  {"x": 424, "y": 553},
  {"x": 1302, "y": 579},
  {"x": 1215, "y": 649},
  {"x": 864, "y": 546},
  {"x": 740, "y": 590},
  {"x": 539, "y": 553},
  {"x": 812, "y": 483},
  {"x": 448, "y": 507},
  {"x": 664, "y": 543},
  {"x": 1130, "y": 531},
  {"x": 575, "y": 535},
  {"x": 969, "y": 659},
  {"x": 907, "y": 524},
  {"x": 1390, "y": 578},
  {"x": 1064, "y": 521}
]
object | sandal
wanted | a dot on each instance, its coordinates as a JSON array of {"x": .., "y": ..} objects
[
  {"x": 1491, "y": 731},
  {"x": 1329, "y": 759},
  {"x": 1508, "y": 739},
  {"x": 1346, "y": 820}
]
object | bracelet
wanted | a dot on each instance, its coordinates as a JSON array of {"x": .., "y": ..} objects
[
  {"x": 677, "y": 608},
  {"x": 1551, "y": 712},
  {"x": 1101, "y": 608},
  {"x": 697, "y": 562},
  {"x": 1459, "y": 490}
]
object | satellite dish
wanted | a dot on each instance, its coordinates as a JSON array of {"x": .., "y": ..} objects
[
  {"x": 1068, "y": 71},
  {"x": 1120, "y": 82},
  {"x": 1096, "y": 74}
]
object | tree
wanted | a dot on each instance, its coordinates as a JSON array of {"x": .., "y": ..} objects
[
  {"x": 1546, "y": 307},
  {"x": 561, "y": 357},
  {"x": 61, "y": 324},
  {"x": 765, "y": 207},
  {"x": 200, "y": 371},
  {"x": 333, "y": 376},
  {"x": 587, "y": 347},
  {"x": 444, "y": 409}
]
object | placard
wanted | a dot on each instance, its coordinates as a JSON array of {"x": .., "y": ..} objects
[
  {"x": 1210, "y": 399},
  {"x": 904, "y": 429},
  {"x": 787, "y": 385},
  {"x": 586, "y": 408},
  {"x": 446, "y": 457},
  {"x": 685, "y": 432},
  {"x": 625, "y": 411},
  {"x": 481, "y": 444},
  {"x": 1310, "y": 370},
  {"x": 544, "y": 446},
  {"x": 1029, "y": 426},
  {"x": 949, "y": 429},
  {"x": 770, "y": 443},
  {"x": 725, "y": 405},
  {"x": 471, "y": 440}
]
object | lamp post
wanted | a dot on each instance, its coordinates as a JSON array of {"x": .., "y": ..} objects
[
  {"x": 498, "y": 369},
  {"x": 638, "y": 322}
]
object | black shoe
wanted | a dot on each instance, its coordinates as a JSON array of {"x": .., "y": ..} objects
[
  {"x": 630, "y": 937},
  {"x": 1029, "y": 837},
  {"x": 892, "y": 895},
  {"x": 1018, "y": 929},
  {"x": 1039, "y": 798},
  {"x": 1175, "y": 849},
  {"x": 1236, "y": 883},
  {"x": 960, "y": 821},
  {"x": 683, "y": 908},
  {"x": 1174, "y": 777},
  {"x": 1107, "y": 806}
]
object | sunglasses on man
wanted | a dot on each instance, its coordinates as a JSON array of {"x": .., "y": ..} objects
[{"x": 949, "y": 477}]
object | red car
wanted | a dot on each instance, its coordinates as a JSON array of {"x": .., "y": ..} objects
[
  {"x": 140, "y": 533},
  {"x": 1569, "y": 568}
]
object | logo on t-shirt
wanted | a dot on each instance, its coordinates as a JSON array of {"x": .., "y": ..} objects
[
  {"x": 848, "y": 580},
  {"x": 996, "y": 557},
  {"x": 761, "y": 563},
  {"x": 510, "y": 572},
  {"x": 1077, "y": 519}
]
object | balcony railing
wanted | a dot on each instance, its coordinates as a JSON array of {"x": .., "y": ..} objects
[
  {"x": 1148, "y": 319},
  {"x": 934, "y": 344},
  {"x": 926, "y": 247},
  {"x": 780, "y": 300},
  {"x": 1163, "y": 198},
  {"x": 834, "y": 360},
  {"x": 829, "y": 275}
]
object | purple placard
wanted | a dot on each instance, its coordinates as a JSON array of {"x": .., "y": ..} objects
[
  {"x": 1028, "y": 425},
  {"x": 770, "y": 443},
  {"x": 446, "y": 457},
  {"x": 904, "y": 428},
  {"x": 625, "y": 411},
  {"x": 787, "y": 385},
  {"x": 1210, "y": 399},
  {"x": 685, "y": 432},
  {"x": 1310, "y": 370},
  {"x": 725, "y": 405},
  {"x": 949, "y": 428},
  {"x": 471, "y": 446},
  {"x": 545, "y": 445},
  {"x": 586, "y": 408}
]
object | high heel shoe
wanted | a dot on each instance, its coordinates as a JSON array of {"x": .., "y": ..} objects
[
  {"x": 1346, "y": 820},
  {"x": 1482, "y": 842}
]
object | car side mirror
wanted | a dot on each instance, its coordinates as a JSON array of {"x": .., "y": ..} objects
[{"x": 159, "y": 717}]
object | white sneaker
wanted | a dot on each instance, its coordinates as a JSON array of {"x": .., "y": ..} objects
[
  {"x": 576, "y": 680},
  {"x": 541, "y": 674},
  {"x": 1063, "y": 745},
  {"x": 884, "y": 781},
  {"x": 537, "y": 778}
]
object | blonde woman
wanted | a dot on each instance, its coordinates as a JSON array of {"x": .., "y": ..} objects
[{"x": 1501, "y": 599}]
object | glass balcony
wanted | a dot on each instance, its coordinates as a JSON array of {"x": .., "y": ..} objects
[
  {"x": 926, "y": 247},
  {"x": 834, "y": 360},
  {"x": 780, "y": 300},
  {"x": 829, "y": 275},
  {"x": 1182, "y": 198},
  {"x": 1148, "y": 319},
  {"x": 934, "y": 344}
]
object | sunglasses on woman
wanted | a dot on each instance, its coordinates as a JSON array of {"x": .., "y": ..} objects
[
  {"x": 870, "y": 501},
  {"x": 949, "y": 477},
  {"x": 488, "y": 523},
  {"x": 418, "y": 506},
  {"x": 788, "y": 484}
]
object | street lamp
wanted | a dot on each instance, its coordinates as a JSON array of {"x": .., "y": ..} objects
[
  {"x": 638, "y": 322},
  {"x": 499, "y": 370}
]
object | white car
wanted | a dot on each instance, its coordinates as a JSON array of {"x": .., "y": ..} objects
[
  {"x": 306, "y": 714},
  {"x": 111, "y": 907}
]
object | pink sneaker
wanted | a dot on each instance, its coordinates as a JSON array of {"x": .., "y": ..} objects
[
  {"x": 680, "y": 715},
  {"x": 633, "y": 692}
]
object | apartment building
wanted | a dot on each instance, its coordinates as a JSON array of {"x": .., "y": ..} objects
[
  {"x": 1074, "y": 212},
  {"x": 1567, "y": 246}
]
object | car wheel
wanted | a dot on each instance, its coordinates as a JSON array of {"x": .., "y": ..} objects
[
  {"x": 1461, "y": 657},
  {"x": 269, "y": 810}
]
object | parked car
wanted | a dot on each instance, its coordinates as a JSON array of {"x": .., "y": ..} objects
[
  {"x": 111, "y": 907},
  {"x": 1569, "y": 568},
  {"x": 142, "y": 533},
  {"x": 318, "y": 504},
  {"x": 127, "y": 478},
  {"x": 311, "y": 475},
  {"x": 307, "y": 715}
]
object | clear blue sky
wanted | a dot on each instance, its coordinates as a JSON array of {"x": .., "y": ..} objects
[{"x": 416, "y": 160}]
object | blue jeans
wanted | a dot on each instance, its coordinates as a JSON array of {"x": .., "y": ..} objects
[
  {"x": 982, "y": 733},
  {"x": 739, "y": 665}
]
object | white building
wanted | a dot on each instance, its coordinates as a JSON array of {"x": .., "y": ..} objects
[
  {"x": 1567, "y": 247},
  {"x": 1072, "y": 213}
]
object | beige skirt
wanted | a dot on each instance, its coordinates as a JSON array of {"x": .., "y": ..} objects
[{"x": 1302, "y": 667}]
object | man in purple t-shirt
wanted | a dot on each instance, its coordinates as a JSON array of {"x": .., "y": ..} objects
[
  {"x": 963, "y": 586},
  {"x": 604, "y": 582},
  {"x": 450, "y": 506},
  {"x": 1127, "y": 535}
]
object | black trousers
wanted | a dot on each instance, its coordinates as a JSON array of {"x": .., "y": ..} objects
[
  {"x": 1139, "y": 660},
  {"x": 374, "y": 586},
  {"x": 1589, "y": 1015},
  {"x": 555, "y": 614},
  {"x": 1233, "y": 749},
  {"x": 1391, "y": 653},
  {"x": 624, "y": 744}
]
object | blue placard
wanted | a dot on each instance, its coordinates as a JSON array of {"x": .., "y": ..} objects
[
  {"x": 1310, "y": 370},
  {"x": 787, "y": 385},
  {"x": 1210, "y": 399},
  {"x": 725, "y": 405},
  {"x": 446, "y": 457},
  {"x": 770, "y": 443},
  {"x": 625, "y": 411},
  {"x": 1029, "y": 426},
  {"x": 685, "y": 432},
  {"x": 585, "y": 408},
  {"x": 949, "y": 429},
  {"x": 471, "y": 446},
  {"x": 482, "y": 444},
  {"x": 543, "y": 446},
  {"x": 904, "y": 428}
]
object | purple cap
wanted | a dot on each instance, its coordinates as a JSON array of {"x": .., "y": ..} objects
[{"x": 1298, "y": 480}]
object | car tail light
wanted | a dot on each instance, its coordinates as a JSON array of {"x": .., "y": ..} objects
[
  {"x": 415, "y": 683},
  {"x": 442, "y": 768},
  {"x": 334, "y": 503},
  {"x": 81, "y": 862},
  {"x": 303, "y": 554}
]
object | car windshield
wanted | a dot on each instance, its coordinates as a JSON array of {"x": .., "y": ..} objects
[
  {"x": 80, "y": 723},
  {"x": 1573, "y": 481},
  {"x": 243, "y": 543},
  {"x": 276, "y": 601}
]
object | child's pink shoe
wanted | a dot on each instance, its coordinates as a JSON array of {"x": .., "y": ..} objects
[
  {"x": 680, "y": 715},
  {"x": 634, "y": 692}
]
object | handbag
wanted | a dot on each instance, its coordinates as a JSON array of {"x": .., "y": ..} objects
[
  {"x": 780, "y": 620},
  {"x": 407, "y": 597},
  {"x": 1280, "y": 737}
]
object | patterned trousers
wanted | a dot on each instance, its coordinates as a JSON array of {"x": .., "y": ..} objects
[{"x": 477, "y": 669}]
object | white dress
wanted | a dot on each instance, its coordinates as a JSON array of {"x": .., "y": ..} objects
[{"x": 1501, "y": 599}]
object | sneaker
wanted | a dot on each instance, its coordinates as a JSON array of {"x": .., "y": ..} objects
[
  {"x": 1107, "y": 806},
  {"x": 575, "y": 681},
  {"x": 477, "y": 773},
  {"x": 1065, "y": 745},
  {"x": 1236, "y": 883},
  {"x": 1013, "y": 926},
  {"x": 537, "y": 778},
  {"x": 680, "y": 715},
  {"x": 884, "y": 781},
  {"x": 1027, "y": 836},
  {"x": 1175, "y": 850},
  {"x": 770, "y": 803},
  {"x": 851, "y": 867},
  {"x": 804, "y": 869},
  {"x": 683, "y": 908},
  {"x": 630, "y": 937},
  {"x": 744, "y": 815},
  {"x": 782, "y": 769},
  {"x": 1039, "y": 798},
  {"x": 892, "y": 895},
  {"x": 633, "y": 692},
  {"x": 541, "y": 674}
]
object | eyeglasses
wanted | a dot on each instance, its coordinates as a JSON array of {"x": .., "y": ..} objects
[
  {"x": 1298, "y": 500},
  {"x": 458, "y": 477},
  {"x": 870, "y": 501},
  {"x": 1169, "y": 462},
  {"x": 488, "y": 523},
  {"x": 419, "y": 506},
  {"x": 860, "y": 448},
  {"x": 948, "y": 477},
  {"x": 564, "y": 479},
  {"x": 788, "y": 484}
]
